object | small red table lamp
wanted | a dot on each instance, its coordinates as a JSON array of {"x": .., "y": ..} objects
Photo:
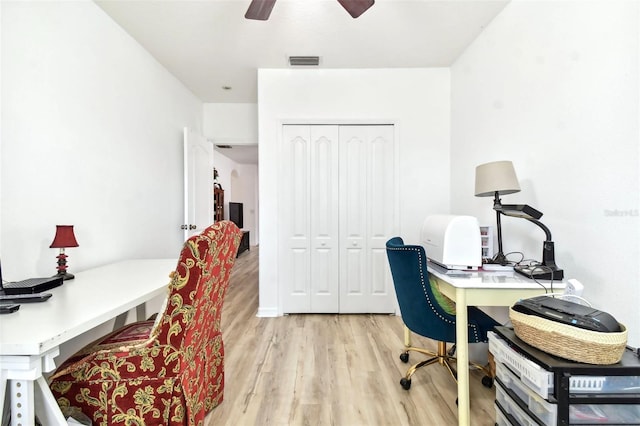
[{"x": 64, "y": 238}]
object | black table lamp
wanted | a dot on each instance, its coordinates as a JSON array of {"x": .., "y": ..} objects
[
  {"x": 499, "y": 178},
  {"x": 493, "y": 180}
]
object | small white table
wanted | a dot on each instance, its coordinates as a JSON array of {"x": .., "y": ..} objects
[
  {"x": 30, "y": 338},
  {"x": 484, "y": 288}
]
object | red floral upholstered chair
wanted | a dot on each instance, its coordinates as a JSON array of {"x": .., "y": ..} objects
[{"x": 165, "y": 373}]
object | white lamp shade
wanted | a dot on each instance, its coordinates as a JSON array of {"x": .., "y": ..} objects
[{"x": 497, "y": 176}]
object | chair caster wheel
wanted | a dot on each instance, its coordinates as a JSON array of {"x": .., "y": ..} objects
[
  {"x": 452, "y": 351},
  {"x": 487, "y": 381},
  {"x": 405, "y": 383},
  {"x": 404, "y": 357}
]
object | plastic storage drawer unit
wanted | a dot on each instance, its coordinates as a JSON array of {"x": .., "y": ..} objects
[
  {"x": 536, "y": 388},
  {"x": 541, "y": 380}
]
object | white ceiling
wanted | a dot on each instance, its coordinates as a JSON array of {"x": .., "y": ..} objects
[
  {"x": 208, "y": 44},
  {"x": 241, "y": 154}
]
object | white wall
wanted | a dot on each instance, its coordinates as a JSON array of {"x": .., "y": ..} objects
[
  {"x": 415, "y": 100},
  {"x": 553, "y": 86},
  {"x": 231, "y": 123},
  {"x": 91, "y": 136}
]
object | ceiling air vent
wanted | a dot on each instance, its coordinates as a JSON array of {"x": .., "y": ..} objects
[
  {"x": 223, "y": 146},
  {"x": 304, "y": 61}
]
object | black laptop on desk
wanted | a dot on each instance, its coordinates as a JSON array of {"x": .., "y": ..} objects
[{"x": 29, "y": 286}]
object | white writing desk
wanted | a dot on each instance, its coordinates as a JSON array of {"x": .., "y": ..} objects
[
  {"x": 480, "y": 289},
  {"x": 30, "y": 338}
]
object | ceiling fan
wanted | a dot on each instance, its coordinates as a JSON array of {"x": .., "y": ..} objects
[{"x": 261, "y": 9}]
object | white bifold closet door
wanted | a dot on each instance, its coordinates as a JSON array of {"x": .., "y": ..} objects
[
  {"x": 308, "y": 219},
  {"x": 337, "y": 209}
]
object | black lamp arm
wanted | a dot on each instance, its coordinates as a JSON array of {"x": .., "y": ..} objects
[
  {"x": 551, "y": 270},
  {"x": 548, "y": 250},
  {"x": 541, "y": 225}
]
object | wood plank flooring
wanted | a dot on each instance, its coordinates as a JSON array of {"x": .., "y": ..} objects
[{"x": 327, "y": 369}]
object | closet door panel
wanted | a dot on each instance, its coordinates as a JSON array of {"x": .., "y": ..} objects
[
  {"x": 299, "y": 272},
  {"x": 379, "y": 276},
  {"x": 381, "y": 205},
  {"x": 294, "y": 256},
  {"x": 352, "y": 268},
  {"x": 324, "y": 297},
  {"x": 324, "y": 181},
  {"x": 298, "y": 164},
  {"x": 352, "y": 184},
  {"x": 353, "y": 178},
  {"x": 379, "y": 184},
  {"x": 367, "y": 218},
  {"x": 324, "y": 219}
]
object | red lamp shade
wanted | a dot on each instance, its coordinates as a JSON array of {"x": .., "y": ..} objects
[{"x": 64, "y": 237}]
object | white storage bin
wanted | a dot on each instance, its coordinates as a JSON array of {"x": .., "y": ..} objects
[
  {"x": 501, "y": 419},
  {"x": 545, "y": 411},
  {"x": 511, "y": 407},
  {"x": 541, "y": 380},
  {"x": 531, "y": 374}
]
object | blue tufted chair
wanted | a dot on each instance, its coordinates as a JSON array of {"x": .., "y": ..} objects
[{"x": 427, "y": 312}]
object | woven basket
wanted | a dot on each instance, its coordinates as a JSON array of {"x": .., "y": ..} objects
[{"x": 567, "y": 341}]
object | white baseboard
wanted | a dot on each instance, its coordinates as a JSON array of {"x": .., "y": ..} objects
[{"x": 267, "y": 312}]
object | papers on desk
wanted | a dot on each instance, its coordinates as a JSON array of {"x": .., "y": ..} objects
[{"x": 497, "y": 267}]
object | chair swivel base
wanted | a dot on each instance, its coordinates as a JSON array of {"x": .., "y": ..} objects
[{"x": 444, "y": 358}]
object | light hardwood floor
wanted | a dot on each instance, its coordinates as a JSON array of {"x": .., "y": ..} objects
[{"x": 327, "y": 369}]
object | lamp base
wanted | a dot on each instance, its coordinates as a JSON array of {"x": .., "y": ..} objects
[
  {"x": 65, "y": 276},
  {"x": 540, "y": 272}
]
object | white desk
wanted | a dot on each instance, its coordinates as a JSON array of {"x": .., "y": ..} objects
[
  {"x": 30, "y": 338},
  {"x": 480, "y": 289}
]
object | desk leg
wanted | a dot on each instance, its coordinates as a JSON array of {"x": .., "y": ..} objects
[
  {"x": 141, "y": 312},
  {"x": 23, "y": 405},
  {"x": 22, "y": 402},
  {"x": 121, "y": 320},
  {"x": 462, "y": 344},
  {"x": 46, "y": 405},
  {"x": 29, "y": 393},
  {"x": 4, "y": 382}
]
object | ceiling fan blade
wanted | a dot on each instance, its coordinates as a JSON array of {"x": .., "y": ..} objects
[
  {"x": 260, "y": 9},
  {"x": 356, "y": 7}
]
